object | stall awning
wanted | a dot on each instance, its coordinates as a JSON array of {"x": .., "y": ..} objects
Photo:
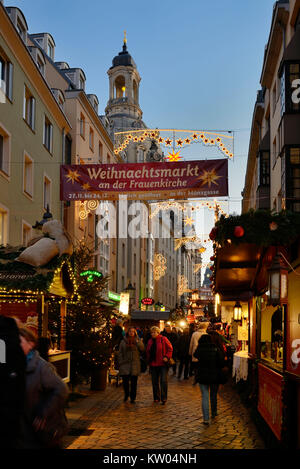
[
  {"x": 150, "y": 315},
  {"x": 236, "y": 270},
  {"x": 55, "y": 278}
]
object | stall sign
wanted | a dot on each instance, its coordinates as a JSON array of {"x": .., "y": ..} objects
[
  {"x": 242, "y": 333},
  {"x": 147, "y": 301},
  {"x": 269, "y": 398},
  {"x": 113, "y": 296}
]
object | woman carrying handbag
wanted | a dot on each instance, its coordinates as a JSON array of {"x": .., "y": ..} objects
[
  {"x": 130, "y": 363},
  {"x": 159, "y": 354}
]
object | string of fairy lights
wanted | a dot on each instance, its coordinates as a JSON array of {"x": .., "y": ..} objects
[{"x": 207, "y": 138}]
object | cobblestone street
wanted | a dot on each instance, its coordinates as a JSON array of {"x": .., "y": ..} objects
[{"x": 109, "y": 423}]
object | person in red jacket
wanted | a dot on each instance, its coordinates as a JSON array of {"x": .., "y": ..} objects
[{"x": 159, "y": 351}]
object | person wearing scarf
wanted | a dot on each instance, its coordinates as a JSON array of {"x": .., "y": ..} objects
[
  {"x": 130, "y": 363},
  {"x": 159, "y": 351}
]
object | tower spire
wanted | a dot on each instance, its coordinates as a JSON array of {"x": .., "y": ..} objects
[{"x": 125, "y": 42}]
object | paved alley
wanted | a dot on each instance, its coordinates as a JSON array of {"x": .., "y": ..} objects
[{"x": 109, "y": 423}]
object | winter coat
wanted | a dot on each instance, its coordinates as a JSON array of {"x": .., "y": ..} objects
[
  {"x": 12, "y": 383},
  {"x": 183, "y": 346},
  {"x": 194, "y": 343},
  {"x": 130, "y": 360},
  {"x": 210, "y": 363},
  {"x": 117, "y": 335},
  {"x": 163, "y": 349},
  {"x": 45, "y": 397},
  {"x": 173, "y": 338}
]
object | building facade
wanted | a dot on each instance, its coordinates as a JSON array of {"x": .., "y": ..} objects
[{"x": 33, "y": 128}]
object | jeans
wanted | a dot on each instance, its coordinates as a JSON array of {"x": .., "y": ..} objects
[
  {"x": 205, "y": 399},
  {"x": 130, "y": 386},
  {"x": 184, "y": 362},
  {"x": 159, "y": 376}
]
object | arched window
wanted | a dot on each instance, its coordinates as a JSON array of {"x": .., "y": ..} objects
[
  {"x": 120, "y": 87},
  {"x": 135, "y": 92}
]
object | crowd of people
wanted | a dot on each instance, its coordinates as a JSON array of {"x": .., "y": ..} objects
[
  {"x": 33, "y": 396},
  {"x": 198, "y": 351}
]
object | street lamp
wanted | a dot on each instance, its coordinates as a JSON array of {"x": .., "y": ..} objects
[
  {"x": 237, "y": 311},
  {"x": 131, "y": 290},
  {"x": 278, "y": 281}
]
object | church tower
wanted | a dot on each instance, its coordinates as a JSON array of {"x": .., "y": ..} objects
[{"x": 123, "y": 110}]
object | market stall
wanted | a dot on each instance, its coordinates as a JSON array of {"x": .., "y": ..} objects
[{"x": 26, "y": 291}]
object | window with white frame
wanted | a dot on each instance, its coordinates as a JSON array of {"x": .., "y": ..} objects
[
  {"x": 3, "y": 226},
  {"x": 28, "y": 175},
  {"x": 100, "y": 152},
  {"x": 91, "y": 139},
  {"x": 26, "y": 233},
  {"x": 47, "y": 193},
  {"x": 48, "y": 134},
  {"x": 5, "y": 142},
  {"x": 50, "y": 50},
  {"x": 82, "y": 125},
  {"x": 6, "y": 76},
  {"x": 29, "y": 108}
]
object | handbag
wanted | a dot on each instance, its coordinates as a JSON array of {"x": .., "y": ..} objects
[
  {"x": 55, "y": 429},
  {"x": 143, "y": 364},
  {"x": 223, "y": 375}
]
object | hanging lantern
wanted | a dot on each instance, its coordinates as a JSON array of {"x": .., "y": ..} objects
[
  {"x": 278, "y": 281},
  {"x": 237, "y": 311}
]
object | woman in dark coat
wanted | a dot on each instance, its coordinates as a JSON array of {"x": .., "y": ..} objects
[
  {"x": 44, "y": 421},
  {"x": 183, "y": 354},
  {"x": 209, "y": 365},
  {"x": 130, "y": 362}
]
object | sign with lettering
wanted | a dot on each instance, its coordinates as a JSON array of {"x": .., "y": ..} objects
[
  {"x": 269, "y": 398},
  {"x": 145, "y": 181},
  {"x": 147, "y": 301}
]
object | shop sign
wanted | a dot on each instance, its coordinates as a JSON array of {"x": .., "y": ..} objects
[
  {"x": 147, "y": 301},
  {"x": 269, "y": 398},
  {"x": 145, "y": 181},
  {"x": 113, "y": 296},
  {"x": 242, "y": 333}
]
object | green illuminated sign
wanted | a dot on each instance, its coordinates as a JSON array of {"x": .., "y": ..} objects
[
  {"x": 90, "y": 274},
  {"x": 114, "y": 296}
]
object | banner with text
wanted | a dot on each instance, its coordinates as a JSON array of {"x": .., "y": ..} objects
[{"x": 145, "y": 181}]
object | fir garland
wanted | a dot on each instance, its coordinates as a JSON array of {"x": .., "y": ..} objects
[{"x": 261, "y": 227}]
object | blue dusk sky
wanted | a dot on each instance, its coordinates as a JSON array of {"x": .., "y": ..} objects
[{"x": 200, "y": 61}]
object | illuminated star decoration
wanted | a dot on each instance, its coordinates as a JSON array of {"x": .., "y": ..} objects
[
  {"x": 209, "y": 178},
  {"x": 189, "y": 221},
  {"x": 168, "y": 142},
  {"x": 86, "y": 186},
  {"x": 72, "y": 176},
  {"x": 201, "y": 250},
  {"x": 173, "y": 156}
]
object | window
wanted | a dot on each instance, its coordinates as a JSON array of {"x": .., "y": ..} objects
[
  {"x": 81, "y": 84},
  {"x": 274, "y": 151},
  {"x": 48, "y": 134},
  {"x": 272, "y": 334},
  {"x": 47, "y": 193},
  {"x": 123, "y": 255},
  {"x": 290, "y": 175},
  {"x": 28, "y": 176},
  {"x": 91, "y": 139},
  {"x": 26, "y": 233},
  {"x": 264, "y": 169},
  {"x": 41, "y": 65},
  {"x": 91, "y": 225},
  {"x": 3, "y": 225},
  {"x": 29, "y": 108},
  {"x": 21, "y": 29},
  {"x": 50, "y": 50},
  {"x": 6, "y": 76},
  {"x": 4, "y": 152},
  {"x": 274, "y": 98},
  {"x": 82, "y": 125},
  {"x": 100, "y": 152}
]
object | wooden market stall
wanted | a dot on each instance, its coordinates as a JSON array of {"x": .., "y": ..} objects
[{"x": 25, "y": 293}]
